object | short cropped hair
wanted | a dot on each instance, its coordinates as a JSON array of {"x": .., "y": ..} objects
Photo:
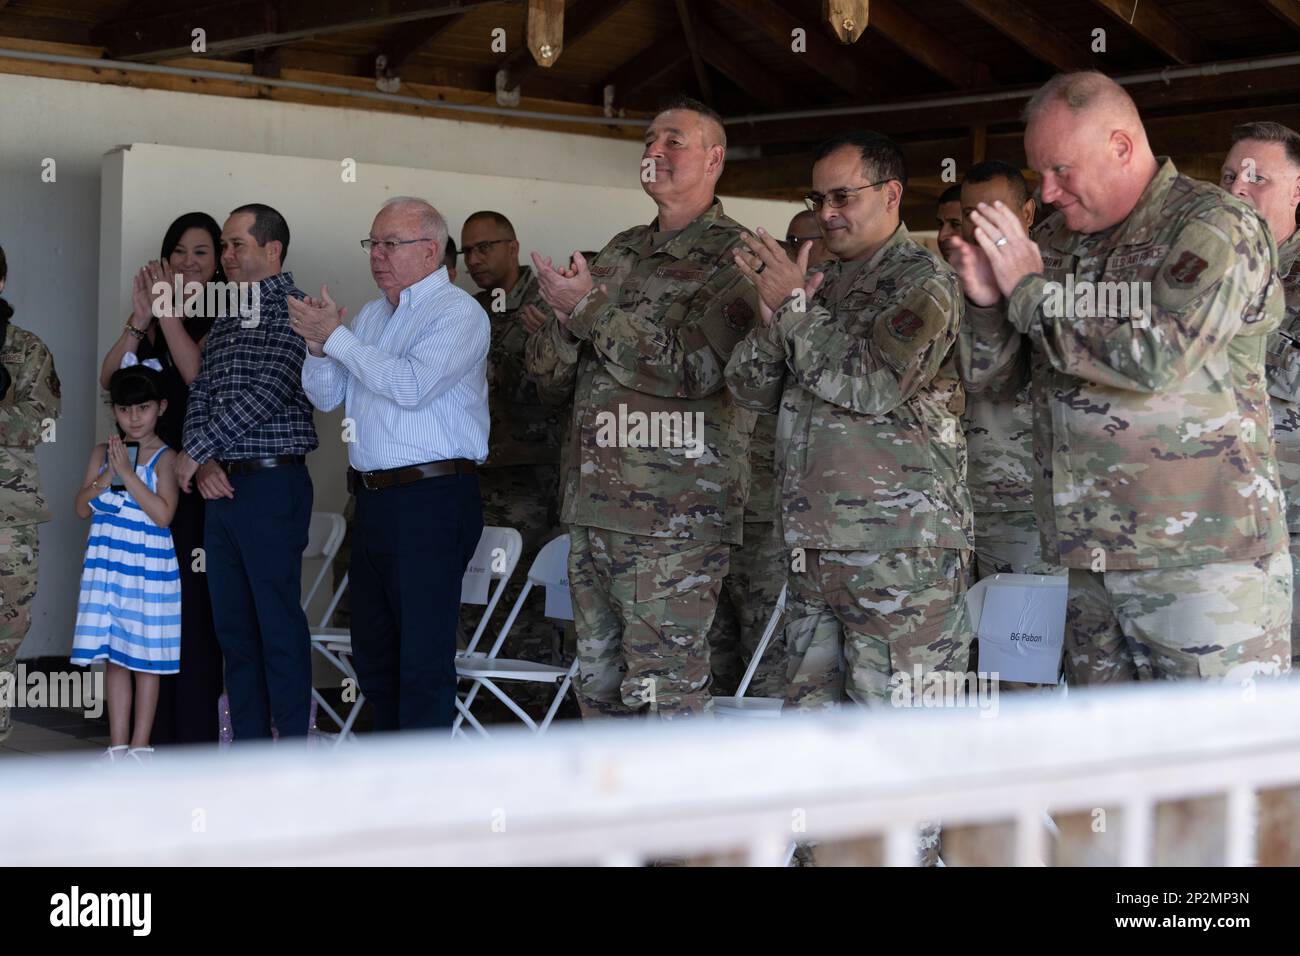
[
  {"x": 498, "y": 220},
  {"x": 1266, "y": 131},
  {"x": 951, "y": 194},
  {"x": 1079, "y": 91},
  {"x": 695, "y": 106},
  {"x": 268, "y": 225},
  {"x": 992, "y": 169},
  {"x": 881, "y": 157}
]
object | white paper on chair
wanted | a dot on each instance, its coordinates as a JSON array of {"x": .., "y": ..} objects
[
  {"x": 474, "y": 585},
  {"x": 559, "y": 604},
  {"x": 1022, "y": 632}
]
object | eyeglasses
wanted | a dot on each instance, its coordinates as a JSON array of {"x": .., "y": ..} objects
[
  {"x": 837, "y": 198},
  {"x": 389, "y": 245},
  {"x": 482, "y": 248}
]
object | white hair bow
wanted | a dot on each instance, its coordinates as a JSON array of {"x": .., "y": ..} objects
[{"x": 130, "y": 358}]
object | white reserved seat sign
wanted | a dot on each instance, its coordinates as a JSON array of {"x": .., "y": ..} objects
[
  {"x": 559, "y": 604},
  {"x": 474, "y": 585},
  {"x": 1022, "y": 626}
]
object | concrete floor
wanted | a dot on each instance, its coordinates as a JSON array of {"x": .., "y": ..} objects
[{"x": 44, "y": 731}]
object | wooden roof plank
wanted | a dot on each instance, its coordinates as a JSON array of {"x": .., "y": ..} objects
[
  {"x": 739, "y": 67},
  {"x": 579, "y": 20},
  {"x": 829, "y": 59},
  {"x": 693, "y": 45},
  {"x": 249, "y": 24},
  {"x": 404, "y": 43},
  {"x": 1288, "y": 10},
  {"x": 1149, "y": 21},
  {"x": 647, "y": 66},
  {"x": 1034, "y": 34},
  {"x": 923, "y": 43}
]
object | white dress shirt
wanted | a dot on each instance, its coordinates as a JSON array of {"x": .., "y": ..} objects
[{"x": 414, "y": 377}]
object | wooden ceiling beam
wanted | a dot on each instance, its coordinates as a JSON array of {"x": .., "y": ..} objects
[
  {"x": 693, "y": 45},
  {"x": 406, "y": 42},
  {"x": 832, "y": 61},
  {"x": 1035, "y": 35},
  {"x": 647, "y": 66},
  {"x": 579, "y": 20},
  {"x": 1287, "y": 10},
  {"x": 1202, "y": 92},
  {"x": 739, "y": 67},
  {"x": 923, "y": 44},
  {"x": 1160, "y": 30},
  {"x": 250, "y": 24}
]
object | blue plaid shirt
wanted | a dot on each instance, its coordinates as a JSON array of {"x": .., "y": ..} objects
[{"x": 248, "y": 400}]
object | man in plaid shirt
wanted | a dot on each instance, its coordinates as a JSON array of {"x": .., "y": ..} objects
[{"x": 248, "y": 430}]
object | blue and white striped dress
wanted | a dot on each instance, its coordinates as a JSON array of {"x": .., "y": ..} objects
[{"x": 130, "y": 606}]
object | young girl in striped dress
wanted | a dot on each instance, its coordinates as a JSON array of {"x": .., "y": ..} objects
[{"x": 129, "y": 613}]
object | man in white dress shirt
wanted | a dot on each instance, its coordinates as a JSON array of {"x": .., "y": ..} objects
[{"x": 412, "y": 371}]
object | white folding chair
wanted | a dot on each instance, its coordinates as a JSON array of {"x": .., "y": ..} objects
[
  {"x": 549, "y": 569},
  {"x": 324, "y": 538},
  {"x": 496, "y": 556},
  {"x": 335, "y": 645},
  {"x": 740, "y": 705}
]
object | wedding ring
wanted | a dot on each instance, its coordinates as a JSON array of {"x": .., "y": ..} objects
[
  {"x": 760, "y": 267},
  {"x": 1001, "y": 242}
]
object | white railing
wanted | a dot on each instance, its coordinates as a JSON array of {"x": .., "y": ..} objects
[{"x": 625, "y": 793}]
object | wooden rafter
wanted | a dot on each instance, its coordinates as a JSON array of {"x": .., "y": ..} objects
[
  {"x": 848, "y": 18},
  {"x": 1149, "y": 21},
  {"x": 545, "y": 31},
  {"x": 250, "y": 24},
  {"x": 647, "y": 66},
  {"x": 1288, "y": 10},
  {"x": 687, "y": 21},
  {"x": 832, "y": 61},
  {"x": 1035, "y": 35},
  {"x": 738, "y": 66},
  {"x": 579, "y": 20},
  {"x": 403, "y": 44},
  {"x": 923, "y": 43}
]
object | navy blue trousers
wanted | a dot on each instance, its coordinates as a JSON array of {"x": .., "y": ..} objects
[
  {"x": 411, "y": 545},
  {"x": 254, "y": 544}
]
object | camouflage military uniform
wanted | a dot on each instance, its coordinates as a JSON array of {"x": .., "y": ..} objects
[
  {"x": 520, "y": 480},
  {"x": 753, "y": 583},
  {"x": 1155, "y": 480},
  {"x": 1283, "y": 369},
  {"x": 655, "y": 476},
  {"x": 24, "y": 408},
  {"x": 1000, "y": 437},
  {"x": 873, "y": 472}
]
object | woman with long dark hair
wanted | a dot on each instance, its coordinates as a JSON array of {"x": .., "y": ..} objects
[{"x": 191, "y": 249}]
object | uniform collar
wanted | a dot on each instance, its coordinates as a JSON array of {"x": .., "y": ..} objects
[
  {"x": 685, "y": 240},
  {"x": 896, "y": 239},
  {"x": 1141, "y": 225},
  {"x": 522, "y": 288},
  {"x": 1138, "y": 226}
]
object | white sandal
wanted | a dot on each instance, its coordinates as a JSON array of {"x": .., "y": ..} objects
[
  {"x": 142, "y": 755},
  {"x": 113, "y": 754}
]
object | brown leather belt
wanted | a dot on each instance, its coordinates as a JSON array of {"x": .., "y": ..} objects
[
  {"x": 242, "y": 466},
  {"x": 391, "y": 477}
]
